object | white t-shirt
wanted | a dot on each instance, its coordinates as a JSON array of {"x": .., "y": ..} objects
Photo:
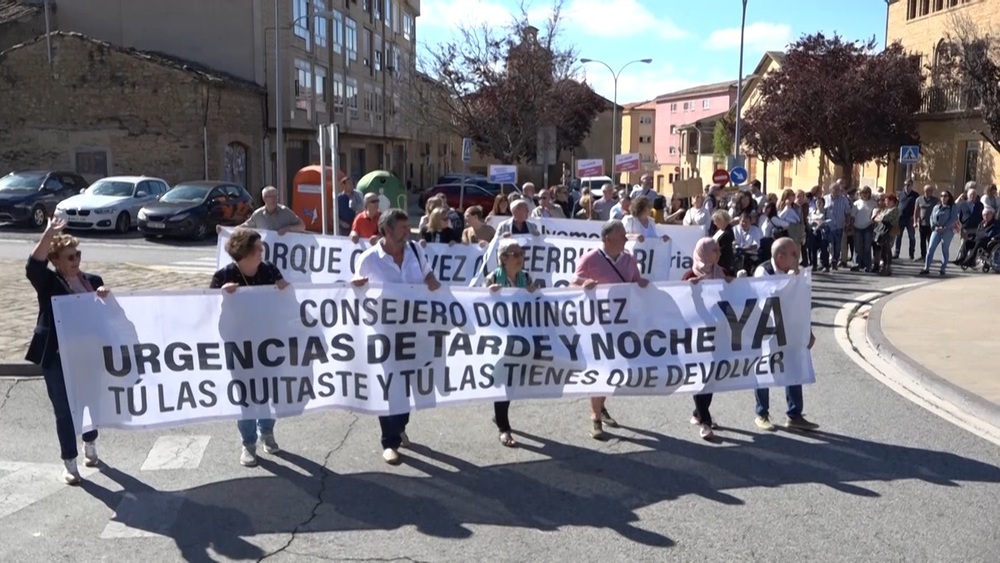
[
  {"x": 634, "y": 227},
  {"x": 379, "y": 267}
]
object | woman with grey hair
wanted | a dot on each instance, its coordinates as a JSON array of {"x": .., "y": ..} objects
[{"x": 509, "y": 273}]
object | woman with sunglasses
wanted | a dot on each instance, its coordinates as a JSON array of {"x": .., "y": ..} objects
[
  {"x": 62, "y": 251},
  {"x": 944, "y": 221},
  {"x": 510, "y": 273}
]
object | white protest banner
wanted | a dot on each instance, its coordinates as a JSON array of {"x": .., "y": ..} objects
[
  {"x": 158, "y": 359},
  {"x": 551, "y": 261},
  {"x": 682, "y": 238},
  {"x": 312, "y": 258}
]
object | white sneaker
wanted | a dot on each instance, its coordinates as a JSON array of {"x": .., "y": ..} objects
[
  {"x": 404, "y": 440},
  {"x": 90, "y": 454},
  {"x": 705, "y": 431},
  {"x": 391, "y": 456},
  {"x": 270, "y": 446},
  {"x": 71, "y": 475},
  {"x": 248, "y": 457}
]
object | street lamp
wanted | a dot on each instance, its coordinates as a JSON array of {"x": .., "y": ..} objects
[
  {"x": 614, "y": 107},
  {"x": 739, "y": 85},
  {"x": 279, "y": 114}
]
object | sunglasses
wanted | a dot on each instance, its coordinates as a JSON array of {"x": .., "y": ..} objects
[{"x": 74, "y": 257}]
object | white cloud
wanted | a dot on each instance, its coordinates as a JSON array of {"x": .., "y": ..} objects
[
  {"x": 760, "y": 36},
  {"x": 645, "y": 82},
  {"x": 582, "y": 18}
]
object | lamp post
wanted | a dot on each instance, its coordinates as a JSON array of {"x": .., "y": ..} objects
[
  {"x": 739, "y": 87},
  {"x": 614, "y": 107},
  {"x": 279, "y": 84}
]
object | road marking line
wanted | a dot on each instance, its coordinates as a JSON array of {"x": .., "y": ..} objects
[
  {"x": 851, "y": 335},
  {"x": 146, "y": 515},
  {"x": 176, "y": 452},
  {"x": 28, "y": 483}
]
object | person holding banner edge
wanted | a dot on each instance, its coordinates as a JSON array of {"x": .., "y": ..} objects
[
  {"x": 785, "y": 258},
  {"x": 609, "y": 264},
  {"x": 248, "y": 268},
  {"x": 394, "y": 259},
  {"x": 509, "y": 273},
  {"x": 67, "y": 278}
]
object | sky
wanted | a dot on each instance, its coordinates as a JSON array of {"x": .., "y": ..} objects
[{"x": 691, "y": 43}]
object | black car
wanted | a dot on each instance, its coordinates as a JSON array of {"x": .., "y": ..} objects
[
  {"x": 193, "y": 209},
  {"x": 31, "y": 196}
]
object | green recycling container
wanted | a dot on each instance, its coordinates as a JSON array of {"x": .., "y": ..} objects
[{"x": 391, "y": 192}]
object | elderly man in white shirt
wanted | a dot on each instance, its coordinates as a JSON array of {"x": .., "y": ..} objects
[
  {"x": 697, "y": 215},
  {"x": 528, "y": 190},
  {"x": 394, "y": 259},
  {"x": 864, "y": 230}
]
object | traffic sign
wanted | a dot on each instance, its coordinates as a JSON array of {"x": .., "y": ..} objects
[
  {"x": 909, "y": 154},
  {"x": 720, "y": 177},
  {"x": 467, "y": 149},
  {"x": 738, "y": 175},
  {"x": 736, "y": 161}
]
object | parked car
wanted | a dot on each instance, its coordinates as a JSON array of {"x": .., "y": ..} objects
[
  {"x": 111, "y": 203},
  {"x": 596, "y": 185},
  {"x": 479, "y": 180},
  {"x": 31, "y": 196},
  {"x": 194, "y": 209},
  {"x": 474, "y": 195}
]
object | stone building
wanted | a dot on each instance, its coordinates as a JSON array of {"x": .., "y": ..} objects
[
  {"x": 102, "y": 109},
  {"x": 20, "y": 21}
]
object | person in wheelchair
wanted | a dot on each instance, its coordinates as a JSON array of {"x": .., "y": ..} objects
[
  {"x": 978, "y": 243},
  {"x": 747, "y": 237}
]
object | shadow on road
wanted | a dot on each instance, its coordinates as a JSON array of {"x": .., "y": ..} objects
[{"x": 574, "y": 486}]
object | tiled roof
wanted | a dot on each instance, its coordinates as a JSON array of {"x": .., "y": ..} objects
[
  {"x": 13, "y": 10},
  {"x": 696, "y": 90},
  {"x": 200, "y": 71},
  {"x": 648, "y": 104}
]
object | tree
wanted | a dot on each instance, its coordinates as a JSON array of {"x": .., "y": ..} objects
[
  {"x": 967, "y": 63},
  {"x": 722, "y": 137},
  {"x": 847, "y": 100},
  {"x": 764, "y": 139},
  {"x": 500, "y": 85}
]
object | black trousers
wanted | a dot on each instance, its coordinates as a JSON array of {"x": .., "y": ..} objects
[
  {"x": 925, "y": 237},
  {"x": 701, "y": 412},
  {"x": 393, "y": 427},
  {"x": 501, "y": 409}
]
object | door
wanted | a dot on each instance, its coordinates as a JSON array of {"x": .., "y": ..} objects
[
  {"x": 971, "y": 161},
  {"x": 145, "y": 193}
]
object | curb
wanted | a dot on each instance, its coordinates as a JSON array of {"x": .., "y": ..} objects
[
  {"x": 19, "y": 369},
  {"x": 938, "y": 386}
]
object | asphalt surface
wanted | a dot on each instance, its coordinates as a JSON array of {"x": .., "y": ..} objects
[{"x": 884, "y": 480}]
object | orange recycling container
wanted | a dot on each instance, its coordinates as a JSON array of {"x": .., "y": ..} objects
[{"x": 307, "y": 198}]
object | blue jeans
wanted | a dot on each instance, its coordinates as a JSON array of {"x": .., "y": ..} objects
[
  {"x": 836, "y": 238},
  {"x": 863, "y": 246},
  {"x": 65, "y": 430},
  {"x": 793, "y": 396},
  {"x": 393, "y": 427},
  {"x": 248, "y": 429},
  {"x": 944, "y": 239}
]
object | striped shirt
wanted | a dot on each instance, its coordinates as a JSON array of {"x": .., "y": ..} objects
[{"x": 840, "y": 208}]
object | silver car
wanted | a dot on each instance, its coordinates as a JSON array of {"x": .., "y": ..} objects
[{"x": 111, "y": 203}]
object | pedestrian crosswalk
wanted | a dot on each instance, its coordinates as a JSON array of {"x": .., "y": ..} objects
[{"x": 205, "y": 265}]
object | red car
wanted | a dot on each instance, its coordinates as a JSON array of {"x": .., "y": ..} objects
[{"x": 474, "y": 195}]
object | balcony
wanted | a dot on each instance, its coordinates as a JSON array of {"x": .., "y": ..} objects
[{"x": 949, "y": 99}]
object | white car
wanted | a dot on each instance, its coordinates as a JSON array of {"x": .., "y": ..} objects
[{"x": 111, "y": 203}]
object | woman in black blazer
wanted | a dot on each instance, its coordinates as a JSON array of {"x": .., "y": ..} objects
[{"x": 67, "y": 278}]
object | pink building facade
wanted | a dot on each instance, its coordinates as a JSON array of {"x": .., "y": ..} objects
[{"x": 680, "y": 108}]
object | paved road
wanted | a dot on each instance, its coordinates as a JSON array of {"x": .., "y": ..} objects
[{"x": 885, "y": 480}]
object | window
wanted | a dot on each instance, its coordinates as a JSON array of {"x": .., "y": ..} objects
[
  {"x": 388, "y": 14},
  {"x": 646, "y": 158},
  {"x": 352, "y": 95},
  {"x": 338, "y": 32},
  {"x": 379, "y": 103},
  {"x": 407, "y": 25},
  {"x": 911, "y": 9},
  {"x": 706, "y": 104},
  {"x": 377, "y": 52},
  {"x": 236, "y": 164},
  {"x": 673, "y": 150},
  {"x": 321, "y": 30},
  {"x": 303, "y": 85},
  {"x": 366, "y": 47},
  {"x": 321, "y": 88},
  {"x": 645, "y": 139},
  {"x": 369, "y": 98},
  {"x": 673, "y": 108},
  {"x": 646, "y": 119},
  {"x": 395, "y": 16},
  {"x": 377, "y": 5},
  {"x": 397, "y": 60},
  {"x": 92, "y": 162},
  {"x": 687, "y": 106},
  {"x": 300, "y": 14},
  {"x": 673, "y": 129},
  {"x": 352, "y": 39},
  {"x": 925, "y": 7},
  {"x": 338, "y": 93}
]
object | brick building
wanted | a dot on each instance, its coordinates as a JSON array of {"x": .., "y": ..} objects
[{"x": 102, "y": 109}]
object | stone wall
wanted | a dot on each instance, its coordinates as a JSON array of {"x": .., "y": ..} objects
[{"x": 148, "y": 113}]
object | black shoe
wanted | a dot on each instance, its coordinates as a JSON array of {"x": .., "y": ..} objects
[
  {"x": 925, "y": 272},
  {"x": 856, "y": 268}
]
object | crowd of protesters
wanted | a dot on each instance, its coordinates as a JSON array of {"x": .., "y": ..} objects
[{"x": 746, "y": 232}]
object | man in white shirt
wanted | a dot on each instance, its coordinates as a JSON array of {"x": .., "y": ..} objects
[
  {"x": 757, "y": 193},
  {"x": 394, "y": 259},
  {"x": 747, "y": 234},
  {"x": 644, "y": 189},
  {"x": 864, "y": 230},
  {"x": 785, "y": 260},
  {"x": 528, "y": 189}
]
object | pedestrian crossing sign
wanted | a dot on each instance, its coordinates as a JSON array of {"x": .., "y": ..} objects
[{"x": 909, "y": 154}]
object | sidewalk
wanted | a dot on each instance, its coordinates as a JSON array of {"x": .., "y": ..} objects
[
  {"x": 946, "y": 336},
  {"x": 21, "y": 304}
]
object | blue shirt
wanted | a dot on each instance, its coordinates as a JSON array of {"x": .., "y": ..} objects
[
  {"x": 345, "y": 214},
  {"x": 944, "y": 216}
]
